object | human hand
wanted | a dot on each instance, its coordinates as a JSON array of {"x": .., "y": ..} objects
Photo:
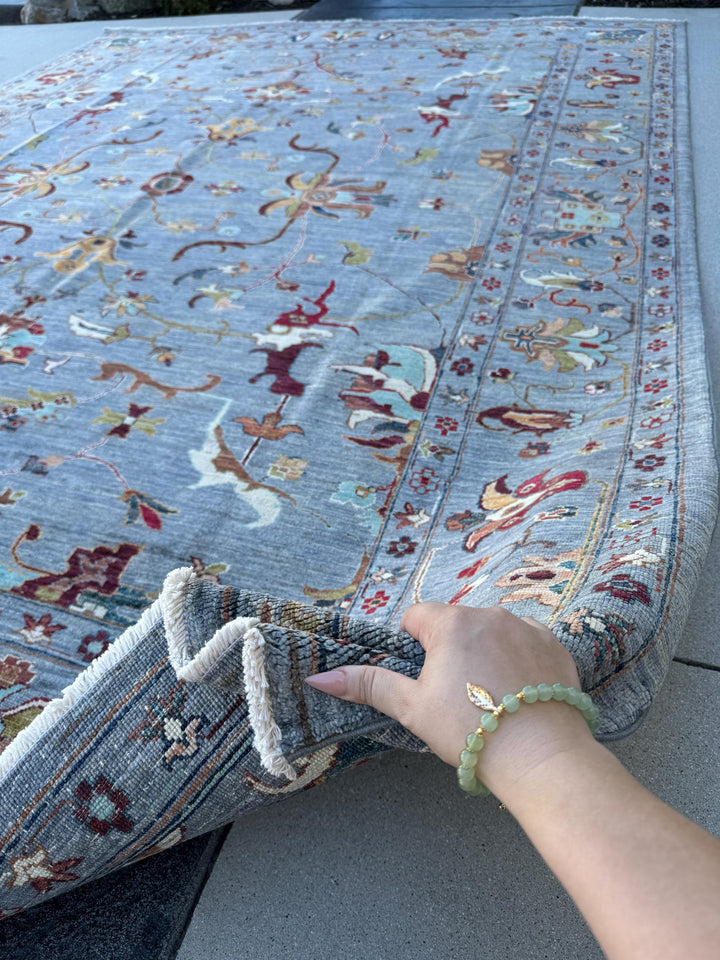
[{"x": 490, "y": 647}]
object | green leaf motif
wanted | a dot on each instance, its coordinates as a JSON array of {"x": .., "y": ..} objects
[
  {"x": 356, "y": 255},
  {"x": 422, "y": 155},
  {"x": 566, "y": 363}
]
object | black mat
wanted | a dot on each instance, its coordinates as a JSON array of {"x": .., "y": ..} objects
[
  {"x": 138, "y": 913},
  {"x": 418, "y": 9}
]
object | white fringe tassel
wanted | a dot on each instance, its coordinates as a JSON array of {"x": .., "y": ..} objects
[
  {"x": 169, "y": 608},
  {"x": 267, "y": 733},
  {"x": 84, "y": 681}
]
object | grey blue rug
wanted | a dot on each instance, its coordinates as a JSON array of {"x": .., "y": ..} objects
[{"x": 302, "y": 324}]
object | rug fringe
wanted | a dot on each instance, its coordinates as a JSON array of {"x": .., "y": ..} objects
[
  {"x": 267, "y": 733},
  {"x": 55, "y": 709},
  {"x": 168, "y": 608}
]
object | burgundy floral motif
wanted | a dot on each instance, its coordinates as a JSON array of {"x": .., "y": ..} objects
[
  {"x": 623, "y": 587},
  {"x": 36, "y": 631},
  {"x": 646, "y": 503},
  {"x": 37, "y": 871},
  {"x": 93, "y": 646},
  {"x": 401, "y": 547},
  {"x": 14, "y": 672},
  {"x": 98, "y": 570},
  {"x": 655, "y": 386},
  {"x": 125, "y": 422},
  {"x": 424, "y": 481},
  {"x": 661, "y": 273},
  {"x": 165, "y": 183},
  {"x": 446, "y": 425},
  {"x": 372, "y": 604},
  {"x": 462, "y": 366},
  {"x": 649, "y": 462},
  {"x": 507, "y": 508},
  {"x": 101, "y": 807}
]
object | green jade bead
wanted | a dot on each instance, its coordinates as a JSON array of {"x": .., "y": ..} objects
[
  {"x": 544, "y": 692},
  {"x": 488, "y": 722},
  {"x": 584, "y": 702},
  {"x": 572, "y": 695},
  {"x": 478, "y": 789},
  {"x": 474, "y": 743},
  {"x": 465, "y": 775},
  {"x": 531, "y": 694}
]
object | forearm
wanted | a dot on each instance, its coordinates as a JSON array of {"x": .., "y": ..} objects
[{"x": 646, "y": 879}]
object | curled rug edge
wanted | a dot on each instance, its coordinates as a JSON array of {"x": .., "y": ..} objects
[
  {"x": 217, "y": 659},
  {"x": 262, "y": 649}
]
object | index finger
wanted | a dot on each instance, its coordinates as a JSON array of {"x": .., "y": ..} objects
[{"x": 422, "y": 619}]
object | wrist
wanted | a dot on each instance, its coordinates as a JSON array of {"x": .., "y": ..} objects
[
  {"x": 526, "y": 746},
  {"x": 543, "y": 785}
]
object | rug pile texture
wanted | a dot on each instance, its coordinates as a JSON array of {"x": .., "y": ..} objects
[{"x": 300, "y": 325}]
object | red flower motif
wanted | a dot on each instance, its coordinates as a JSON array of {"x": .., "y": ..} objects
[
  {"x": 657, "y": 345},
  {"x": 503, "y": 247},
  {"x": 98, "y": 570},
  {"x": 661, "y": 273},
  {"x": 649, "y": 462},
  {"x": 646, "y": 503},
  {"x": 623, "y": 587},
  {"x": 446, "y": 425},
  {"x": 374, "y": 603},
  {"x": 424, "y": 481},
  {"x": 651, "y": 423},
  {"x": 491, "y": 283},
  {"x": 92, "y": 646},
  {"x": 37, "y": 871},
  {"x": 462, "y": 366},
  {"x": 134, "y": 412},
  {"x": 101, "y": 807},
  {"x": 41, "y": 629},
  {"x": 14, "y": 671},
  {"x": 481, "y": 318},
  {"x": 402, "y": 547},
  {"x": 655, "y": 386}
]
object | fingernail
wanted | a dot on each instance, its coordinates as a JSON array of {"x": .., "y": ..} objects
[{"x": 333, "y": 681}]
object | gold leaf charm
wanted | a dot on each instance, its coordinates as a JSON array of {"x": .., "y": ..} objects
[{"x": 480, "y": 697}]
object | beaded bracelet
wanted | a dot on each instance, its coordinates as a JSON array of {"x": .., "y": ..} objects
[{"x": 475, "y": 741}]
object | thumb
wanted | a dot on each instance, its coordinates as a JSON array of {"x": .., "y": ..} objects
[{"x": 390, "y": 693}]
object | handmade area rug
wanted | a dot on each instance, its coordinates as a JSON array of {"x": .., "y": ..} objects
[{"x": 302, "y": 325}]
